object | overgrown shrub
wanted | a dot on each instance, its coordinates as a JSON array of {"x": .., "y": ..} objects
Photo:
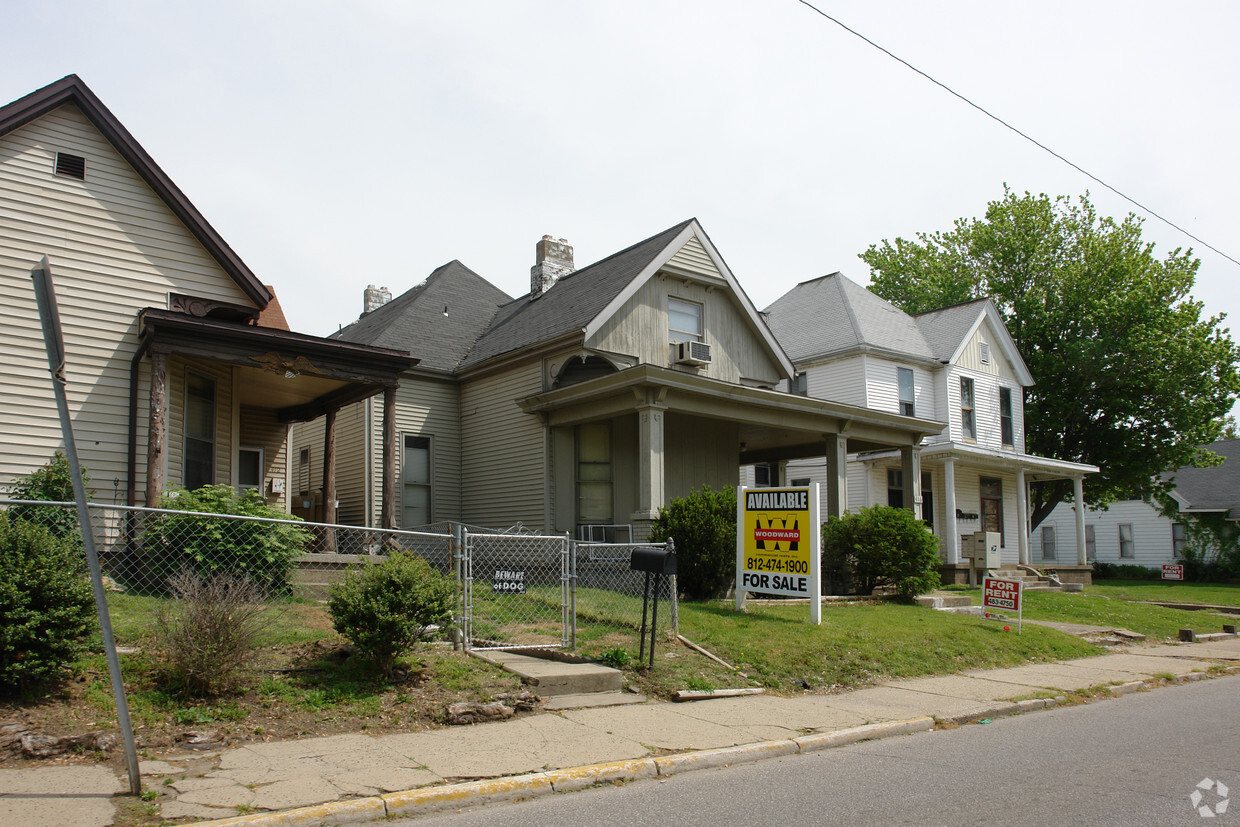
[
  {"x": 50, "y": 483},
  {"x": 703, "y": 527},
  {"x": 46, "y": 605},
  {"x": 208, "y": 633},
  {"x": 1124, "y": 571},
  {"x": 261, "y": 551},
  {"x": 882, "y": 547},
  {"x": 386, "y": 609}
]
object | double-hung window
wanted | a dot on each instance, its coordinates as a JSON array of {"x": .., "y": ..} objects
[
  {"x": 905, "y": 377},
  {"x": 684, "y": 321},
  {"x": 199, "y": 461},
  {"x": 1179, "y": 540},
  {"x": 968, "y": 424},
  {"x": 1126, "y": 548},
  {"x": 1048, "y": 542},
  {"x": 1005, "y": 417}
]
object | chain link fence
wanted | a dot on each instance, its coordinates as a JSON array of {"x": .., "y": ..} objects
[{"x": 517, "y": 589}]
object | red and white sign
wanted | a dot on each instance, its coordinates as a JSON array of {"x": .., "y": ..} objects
[
  {"x": 1001, "y": 595},
  {"x": 1173, "y": 571}
]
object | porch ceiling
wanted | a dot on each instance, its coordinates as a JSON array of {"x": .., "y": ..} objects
[
  {"x": 773, "y": 425},
  {"x": 1037, "y": 469},
  {"x": 299, "y": 376}
]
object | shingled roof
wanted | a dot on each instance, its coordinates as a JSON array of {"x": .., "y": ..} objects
[
  {"x": 1212, "y": 489},
  {"x": 571, "y": 304},
  {"x": 833, "y": 315},
  {"x": 947, "y": 327},
  {"x": 439, "y": 319}
]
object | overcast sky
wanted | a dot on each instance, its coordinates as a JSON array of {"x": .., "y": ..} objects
[{"x": 335, "y": 145}]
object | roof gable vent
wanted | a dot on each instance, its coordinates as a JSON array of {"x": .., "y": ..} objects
[
  {"x": 983, "y": 353},
  {"x": 71, "y": 166}
]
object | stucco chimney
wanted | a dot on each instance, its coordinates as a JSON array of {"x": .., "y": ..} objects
[
  {"x": 374, "y": 298},
  {"x": 552, "y": 259}
]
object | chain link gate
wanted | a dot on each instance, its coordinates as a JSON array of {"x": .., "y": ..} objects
[{"x": 517, "y": 590}]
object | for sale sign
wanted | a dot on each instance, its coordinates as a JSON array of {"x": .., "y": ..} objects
[
  {"x": 1172, "y": 571},
  {"x": 999, "y": 596},
  {"x": 778, "y": 543}
]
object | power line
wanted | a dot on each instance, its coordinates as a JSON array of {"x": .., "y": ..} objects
[{"x": 1027, "y": 137}]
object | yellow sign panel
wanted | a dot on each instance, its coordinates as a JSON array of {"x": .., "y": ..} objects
[{"x": 778, "y": 541}]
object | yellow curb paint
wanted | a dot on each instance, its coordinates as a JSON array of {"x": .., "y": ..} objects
[
  {"x": 349, "y": 811},
  {"x": 824, "y": 740},
  {"x": 671, "y": 764},
  {"x": 578, "y": 778},
  {"x": 416, "y": 802}
]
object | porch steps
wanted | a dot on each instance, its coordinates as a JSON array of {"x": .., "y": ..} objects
[
  {"x": 555, "y": 677},
  {"x": 1033, "y": 580}
]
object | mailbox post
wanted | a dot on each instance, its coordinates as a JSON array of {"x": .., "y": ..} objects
[
  {"x": 660, "y": 562},
  {"x": 982, "y": 549}
]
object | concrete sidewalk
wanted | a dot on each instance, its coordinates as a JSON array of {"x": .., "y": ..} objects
[{"x": 349, "y": 778}]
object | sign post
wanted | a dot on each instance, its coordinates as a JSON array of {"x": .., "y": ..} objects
[
  {"x": 999, "y": 595},
  {"x": 779, "y": 544}
]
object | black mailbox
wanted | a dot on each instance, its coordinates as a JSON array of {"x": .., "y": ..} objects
[{"x": 653, "y": 560}]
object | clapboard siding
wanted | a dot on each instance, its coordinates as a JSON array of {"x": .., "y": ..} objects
[
  {"x": 114, "y": 248},
  {"x": 503, "y": 456},
  {"x": 694, "y": 258},
  {"x": 883, "y": 386},
  {"x": 260, "y": 429},
  {"x": 970, "y": 356},
  {"x": 841, "y": 380},
  {"x": 178, "y": 368},
  {"x": 1151, "y": 534},
  {"x": 640, "y": 329},
  {"x": 430, "y": 408},
  {"x": 693, "y": 455}
]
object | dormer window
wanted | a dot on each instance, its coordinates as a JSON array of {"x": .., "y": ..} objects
[{"x": 684, "y": 321}]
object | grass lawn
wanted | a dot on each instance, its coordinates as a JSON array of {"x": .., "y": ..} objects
[{"x": 1167, "y": 591}]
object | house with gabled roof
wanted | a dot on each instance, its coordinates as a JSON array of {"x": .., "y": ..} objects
[
  {"x": 587, "y": 404},
  {"x": 181, "y": 368},
  {"x": 957, "y": 365}
]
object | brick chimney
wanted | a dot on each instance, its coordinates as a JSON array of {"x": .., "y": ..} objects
[
  {"x": 552, "y": 258},
  {"x": 374, "y": 298}
]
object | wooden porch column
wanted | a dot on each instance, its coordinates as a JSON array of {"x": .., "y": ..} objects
[
  {"x": 951, "y": 530},
  {"x": 1022, "y": 518},
  {"x": 1078, "y": 500},
  {"x": 650, "y": 480},
  {"x": 329, "y": 467},
  {"x": 157, "y": 429},
  {"x": 910, "y": 474},
  {"x": 387, "y": 514},
  {"x": 837, "y": 475}
]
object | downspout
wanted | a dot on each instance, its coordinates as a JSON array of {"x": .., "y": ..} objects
[{"x": 135, "y": 366}]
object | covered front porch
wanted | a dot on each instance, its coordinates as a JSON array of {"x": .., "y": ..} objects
[{"x": 622, "y": 445}]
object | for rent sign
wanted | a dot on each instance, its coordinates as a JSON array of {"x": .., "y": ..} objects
[
  {"x": 778, "y": 543},
  {"x": 1172, "y": 571},
  {"x": 1000, "y": 596}
]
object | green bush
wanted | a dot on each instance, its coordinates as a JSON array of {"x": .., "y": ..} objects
[
  {"x": 52, "y": 483},
  {"x": 46, "y": 604},
  {"x": 386, "y": 609},
  {"x": 882, "y": 547},
  {"x": 262, "y": 551},
  {"x": 1124, "y": 571},
  {"x": 703, "y": 528}
]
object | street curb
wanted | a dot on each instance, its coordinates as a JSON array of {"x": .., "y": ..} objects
[
  {"x": 723, "y": 756},
  {"x": 348, "y": 811},
  {"x": 866, "y": 732},
  {"x": 434, "y": 799},
  {"x": 578, "y": 778}
]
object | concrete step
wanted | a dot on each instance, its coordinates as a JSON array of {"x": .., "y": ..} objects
[
  {"x": 591, "y": 700},
  {"x": 944, "y": 601},
  {"x": 554, "y": 677}
]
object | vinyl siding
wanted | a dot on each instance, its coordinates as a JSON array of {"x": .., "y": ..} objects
[
  {"x": 883, "y": 387},
  {"x": 694, "y": 258},
  {"x": 841, "y": 380},
  {"x": 175, "y": 445},
  {"x": 114, "y": 248},
  {"x": 503, "y": 462},
  {"x": 351, "y": 465},
  {"x": 970, "y": 355},
  {"x": 694, "y": 454},
  {"x": 640, "y": 329},
  {"x": 261, "y": 429},
  {"x": 1151, "y": 534}
]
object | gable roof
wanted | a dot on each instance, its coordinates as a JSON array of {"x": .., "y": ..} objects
[
  {"x": 440, "y": 319},
  {"x": 949, "y": 329},
  {"x": 1211, "y": 489},
  {"x": 833, "y": 315},
  {"x": 71, "y": 90}
]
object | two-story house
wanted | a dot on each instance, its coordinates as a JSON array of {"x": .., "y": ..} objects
[
  {"x": 181, "y": 369},
  {"x": 957, "y": 365},
  {"x": 587, "y": 404}
]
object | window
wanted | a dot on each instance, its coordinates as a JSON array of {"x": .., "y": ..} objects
[
  {"x": 1091, "y": 544},
  {"x": 766, "y": 475},
  {"x": 1048, "y": 542},
  {"x": 991, "y": 491},
  {"x": 1125, "y": 540},
  {"x": 415, "y": 473},
  {"x": 895, "y": 488},
  {"x": 1005, "y": 417},
  {"x": 799, "y": 384},
  {"x": 800, "y": 483},
  {"x": 594, "y": 500},
  {"x": 1179, "y": 540},
  {"x": 927, "y": 500},
  {"x": 199, "y": 459},
  {"x": 303, "y": 471},
  {"x": 684, "y": 321},
  {"x": 967, "y": 424},
  {"x": 905, "y": 377},
  {"x": 250, "y": 468}
]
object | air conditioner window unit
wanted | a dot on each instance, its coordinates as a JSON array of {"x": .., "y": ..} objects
[{"x": 692, "y": 353}]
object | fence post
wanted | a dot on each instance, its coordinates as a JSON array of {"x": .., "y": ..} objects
[
  {"x": 571, "y": 551},
  {"x": 673, "y": 593},
  {"x": 454, "y": 554},
  {"x": 467, "y": 592}
]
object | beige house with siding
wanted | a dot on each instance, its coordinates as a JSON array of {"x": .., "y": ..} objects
[
  {"x": 181, "y": 370},
  {"x": 957, "y": 365},
  {"x": 587, "y": 404}
]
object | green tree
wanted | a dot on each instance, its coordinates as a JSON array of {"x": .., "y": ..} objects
[{"x": 1128, "y": 374}]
